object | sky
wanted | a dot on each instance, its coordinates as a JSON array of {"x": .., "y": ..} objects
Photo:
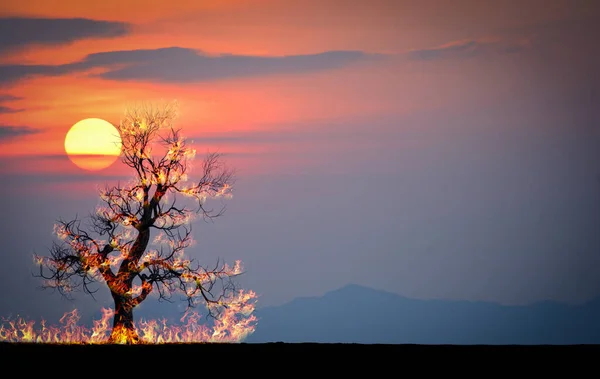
[{"x": 434, "y": 149}]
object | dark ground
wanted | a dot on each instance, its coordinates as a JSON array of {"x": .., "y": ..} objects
[{"x": 288, "y": 359}]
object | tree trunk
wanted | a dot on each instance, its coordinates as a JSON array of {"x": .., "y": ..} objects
[{"x": 123, "y": 331}]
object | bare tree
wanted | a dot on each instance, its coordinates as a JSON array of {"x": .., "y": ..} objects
[{"x": 115, "y": 248}]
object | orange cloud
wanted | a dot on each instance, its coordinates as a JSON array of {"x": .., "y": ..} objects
[{"x": 138, "y": 11}]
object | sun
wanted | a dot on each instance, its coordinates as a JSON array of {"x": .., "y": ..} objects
[{"x": 93, "y": 144}]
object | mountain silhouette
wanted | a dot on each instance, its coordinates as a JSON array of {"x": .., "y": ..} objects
[{"x": 357, "y": 314}]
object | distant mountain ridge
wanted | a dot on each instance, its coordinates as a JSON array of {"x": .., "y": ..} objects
[{"x": 357, "y": 314}]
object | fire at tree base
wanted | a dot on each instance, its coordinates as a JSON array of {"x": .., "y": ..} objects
[{"x": 231, "y": 328}]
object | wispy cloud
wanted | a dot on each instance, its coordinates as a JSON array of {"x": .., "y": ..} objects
[
  {"x": 467, "y": 49},
  {"x": 8, "y": 97},
  {"x": 182, "y": 65},
  {"x": 18, "y": 31},
  {"x": 8, "y": 132},
  {"x": 4, "y": 109}
]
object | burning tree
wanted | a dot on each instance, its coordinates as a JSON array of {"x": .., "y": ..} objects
[{"x": 115, "y": 248}]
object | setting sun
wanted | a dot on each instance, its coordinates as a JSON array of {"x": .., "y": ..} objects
[{"x": 93, "y": 144}]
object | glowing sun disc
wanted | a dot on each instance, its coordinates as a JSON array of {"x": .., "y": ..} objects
[{"x": 93, "y": 144}]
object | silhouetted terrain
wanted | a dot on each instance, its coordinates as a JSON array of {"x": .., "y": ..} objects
[
  {"x": 356, "y": 314},
  {"x": 357, "y": 327},
  {"x": 289, "y": 360}
]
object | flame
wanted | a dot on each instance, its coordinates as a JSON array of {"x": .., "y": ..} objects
[{"x": 234, "y": 326}]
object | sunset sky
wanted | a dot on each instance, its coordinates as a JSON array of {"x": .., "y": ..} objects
[{"x": 430, "y": 148}]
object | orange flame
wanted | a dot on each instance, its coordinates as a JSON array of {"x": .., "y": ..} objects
[{"x": 235, "y": 325}]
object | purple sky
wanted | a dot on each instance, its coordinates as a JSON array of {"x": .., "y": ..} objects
[{"x": 430, "y": 150}]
